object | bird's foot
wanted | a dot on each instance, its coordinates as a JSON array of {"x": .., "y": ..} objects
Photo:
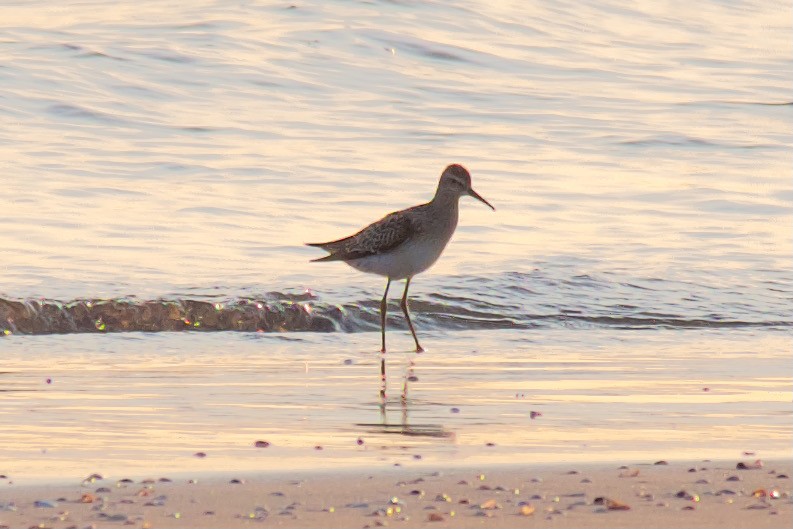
[{"x": 419, "y": 349}]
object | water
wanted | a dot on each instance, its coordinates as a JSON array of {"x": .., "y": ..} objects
[
  {"x": 137, "y": 404},
  {"x": 162, "y": 165}
]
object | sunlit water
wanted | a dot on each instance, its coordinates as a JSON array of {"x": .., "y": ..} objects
[
  {"x": 162, "y": 164},
  {"x": 142, "y": 404}
]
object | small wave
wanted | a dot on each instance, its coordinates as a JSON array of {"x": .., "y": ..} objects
[{"x": 279, "y": 312}]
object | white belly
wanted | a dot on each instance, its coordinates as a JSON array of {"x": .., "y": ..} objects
[{"x": 409, "y": 259}]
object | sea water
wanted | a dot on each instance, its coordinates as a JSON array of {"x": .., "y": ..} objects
[{"x": 163, "y": 164}]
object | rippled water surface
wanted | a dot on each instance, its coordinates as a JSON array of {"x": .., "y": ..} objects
[{"x": 162, "y": 164}]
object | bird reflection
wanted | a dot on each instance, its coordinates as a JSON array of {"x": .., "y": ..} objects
[{"x": 404, "y": 426}]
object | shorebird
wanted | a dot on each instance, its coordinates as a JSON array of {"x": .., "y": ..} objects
[{"x": 407, "y": 242}]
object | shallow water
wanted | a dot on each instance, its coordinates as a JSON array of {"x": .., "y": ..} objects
[
  {"x": 162, "y": 165},
  {"x": 139, "y": 404}
]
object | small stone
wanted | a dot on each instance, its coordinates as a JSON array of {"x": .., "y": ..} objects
[
  {"x": 661, "y": 462},
  {"x": 87, "y": 498},
  {"x": 489, "y": 505},
  {"x": 526, "y": 510},
  {"x": 200, "y": 454},
  {"x": 733, "y": 478},
  {"x": 614, "y": 505},
  {"x": 435, "y": 517},
  {"x": 261, "y": 444},
  {"x": 749, "y": 466}
]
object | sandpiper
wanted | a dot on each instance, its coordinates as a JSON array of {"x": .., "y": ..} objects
[{"x": 407, "y": 242}]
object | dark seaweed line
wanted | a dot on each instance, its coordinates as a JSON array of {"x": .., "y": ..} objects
[{"x": 298, "y": 315}]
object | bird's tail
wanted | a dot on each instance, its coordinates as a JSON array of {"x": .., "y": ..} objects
[{"x": 327, "y": 246}]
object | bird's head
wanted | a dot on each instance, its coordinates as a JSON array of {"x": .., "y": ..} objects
[{"x": 456, "y": 180}]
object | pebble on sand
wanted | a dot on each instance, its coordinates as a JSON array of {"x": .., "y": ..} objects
[
  {"x": 87, "y": 497},
  {"x": 611, "y": 505},
  {"x": 489, "y": 505},
  {"x": 526, "y": 510}
]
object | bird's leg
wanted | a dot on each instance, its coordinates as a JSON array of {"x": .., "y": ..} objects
[
  {"x": 404, "y": 305},
  {"x": 383, "y": 309}
]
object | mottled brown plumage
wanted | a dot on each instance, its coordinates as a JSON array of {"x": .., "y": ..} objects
[{"x": 379, "y": 237}]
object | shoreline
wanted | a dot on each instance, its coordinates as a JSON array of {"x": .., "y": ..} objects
[{"x": 676, "y": 494}]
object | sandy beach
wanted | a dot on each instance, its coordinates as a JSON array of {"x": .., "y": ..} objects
[{"x": 657, "y": 494}]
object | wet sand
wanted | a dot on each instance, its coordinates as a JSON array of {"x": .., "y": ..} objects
[
  {"x": 298, "y": 423},
  {"x": 673, "y": 494}
]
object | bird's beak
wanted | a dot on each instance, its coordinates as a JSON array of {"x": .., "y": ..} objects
[{"x": 477, "y": 196}]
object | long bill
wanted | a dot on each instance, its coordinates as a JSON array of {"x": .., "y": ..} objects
[{"x": 477, "y": 196}]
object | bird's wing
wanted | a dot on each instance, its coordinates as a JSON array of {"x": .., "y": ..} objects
[{"x": 379, "y": 237}]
